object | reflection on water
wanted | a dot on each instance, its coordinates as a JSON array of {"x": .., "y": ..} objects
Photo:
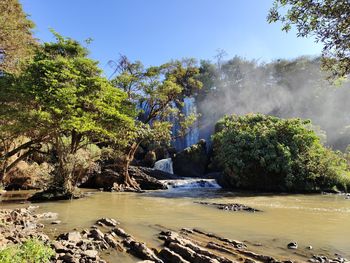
[{"x": 322, "y": 221}]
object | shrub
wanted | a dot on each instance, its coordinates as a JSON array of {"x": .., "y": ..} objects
[
  {"x": 31, "y": 251},
  {"x": 259, "y": 152}
]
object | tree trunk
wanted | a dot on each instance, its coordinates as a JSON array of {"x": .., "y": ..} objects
[{"x": 128, "y": 181}]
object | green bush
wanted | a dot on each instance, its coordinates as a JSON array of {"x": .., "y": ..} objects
[
  {"x": 31, "y": 251},
  {"x": 259, "y": 152}
]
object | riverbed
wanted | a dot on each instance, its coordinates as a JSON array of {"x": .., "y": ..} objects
[{"x": 320, "y": 221}]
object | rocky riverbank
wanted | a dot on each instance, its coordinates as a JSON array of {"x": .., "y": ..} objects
[{"x": 90, "y": 245}]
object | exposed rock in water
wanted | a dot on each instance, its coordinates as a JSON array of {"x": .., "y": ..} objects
[
  {"x": 145, "y": 181},
  {"x": 324, "y": 259},
  {"x": 292, "y": 245},
  {"x": 107, "y": 222},
  {"x": 184, "y": 246},
  {"x": 109, "y": 180},
  {"x": 230, "y": 207},
  {"x": 157, "y": 174},
  {"x": 192, "y": 161},
  {"x": 55, "y": 194}
]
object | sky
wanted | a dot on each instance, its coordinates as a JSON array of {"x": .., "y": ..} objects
[{"x": 156, "y": 31}]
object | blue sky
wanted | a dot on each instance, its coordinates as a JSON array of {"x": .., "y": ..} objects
[{"x": 155, "y": 31}]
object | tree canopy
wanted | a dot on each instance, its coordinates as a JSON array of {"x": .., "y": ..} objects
[
  {"x": 260, "y": 152},
  {"x": 16, "y": 39},
  {"x": 158, "y": 92},
  {"x": 66, "y": 101},
  {"x": 327, "y": 20}
]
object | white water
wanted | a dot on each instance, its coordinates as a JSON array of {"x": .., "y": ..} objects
[
  {"x": 190, "y": 107},
  {"x": 165, "y": 165},
  {"x": 192, "y": 183}
]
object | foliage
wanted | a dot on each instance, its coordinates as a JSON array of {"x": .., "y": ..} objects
[
  {"x": 158, "y": 93},
  {"x": 67, "y": 98},
  {"x": 16, "y": 40},
  {"x": 31, "y": 251},
  {"x": 262, "y": 152},
  {"x": 327, "y": 20},
  {"x": 284, "y": 88}
]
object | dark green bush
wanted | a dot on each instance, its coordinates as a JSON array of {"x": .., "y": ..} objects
[{"x": 259, "y": 152}]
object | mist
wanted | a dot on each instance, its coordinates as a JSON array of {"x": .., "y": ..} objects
[{"x": 283, "y": 88}]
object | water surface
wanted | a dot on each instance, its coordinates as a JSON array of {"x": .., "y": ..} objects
[{"x": 322, "y": 221}]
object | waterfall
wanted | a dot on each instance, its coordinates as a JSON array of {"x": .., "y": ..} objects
[
  {"x": 192, "y": 135},
  {"x": 192, "y": 183},
  {"x": 165, "y": 165},
  {"x": 190, "y": 107}
]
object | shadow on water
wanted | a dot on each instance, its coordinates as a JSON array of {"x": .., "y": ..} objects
[{"x": 211, "y": 193}]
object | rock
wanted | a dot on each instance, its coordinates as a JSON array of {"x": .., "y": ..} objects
[
  {"x": 157, "y": 174},
  {"x": 96, "y": 234},
  {"x": 223, "y": 181},
  {"x": 292, "y": 245},
  {"x": 309, "y": 247},
  {"x": 55, "y": 194},
  {"x": 26, "y": 176},
  {"x": 90, "y": 254},
  {"x": 145, "y": 181},
  {"x": 56, "y": 222},
  {"x": 47, "y": 215},
  {"x": 108, "y": 222},
  {"x": 112, "y": 180},
  {"x": 230, "y": 207},
  {"x": 140, "y": 250},
  {"x": 120, "y": 232},
  {"x": 111, "y": 241},
  {"x": 73, "y": 237},
  {"x": 192, "y": 161},
  {"x": 170, "y": 256},
  {"x": 69, "y": 258},
  {"x": 59, "y": 248}
]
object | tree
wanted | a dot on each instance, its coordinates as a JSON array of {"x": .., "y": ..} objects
[
  {"x": 158, "y": 93},
  {"x": 16, "y": 39},
  {"x": 327, "y": 20},
  {"x": 69, "y": 104},
  {"x": 260, "y": 152}
]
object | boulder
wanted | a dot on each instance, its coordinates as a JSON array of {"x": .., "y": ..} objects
[
  {"x": 96, "y": 234},
  {"x": 292, "y": 245},
  {"x": 192, "y": 161},
  {"x": 73, "y": 237},
  {"x": 107, "y": 222},
  {"x": 157, "y": 174},
  {"x": 145, "y": 181},
  {"x": 55, "y": 194},
  {"x": 109, "y": 179}
]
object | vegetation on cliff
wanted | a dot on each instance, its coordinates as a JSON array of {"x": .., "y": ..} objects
[{"x": 260, "y": 152}]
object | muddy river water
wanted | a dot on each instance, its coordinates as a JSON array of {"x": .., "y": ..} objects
[{"x": 320, "y": 221}]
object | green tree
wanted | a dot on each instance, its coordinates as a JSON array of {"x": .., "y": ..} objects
[
  {"x": 327, "y": 20},
  {"x": 16, "y": 40},
  {"x": 159, "y": 93},
  {"x": 260, "y": 152},
  {"x": 69, "y": 104}
]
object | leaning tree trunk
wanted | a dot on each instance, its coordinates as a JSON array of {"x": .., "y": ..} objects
[{"x": 128, "y": 181}]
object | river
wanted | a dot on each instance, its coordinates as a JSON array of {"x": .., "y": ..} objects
[{"x": 322, "y": 221}]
